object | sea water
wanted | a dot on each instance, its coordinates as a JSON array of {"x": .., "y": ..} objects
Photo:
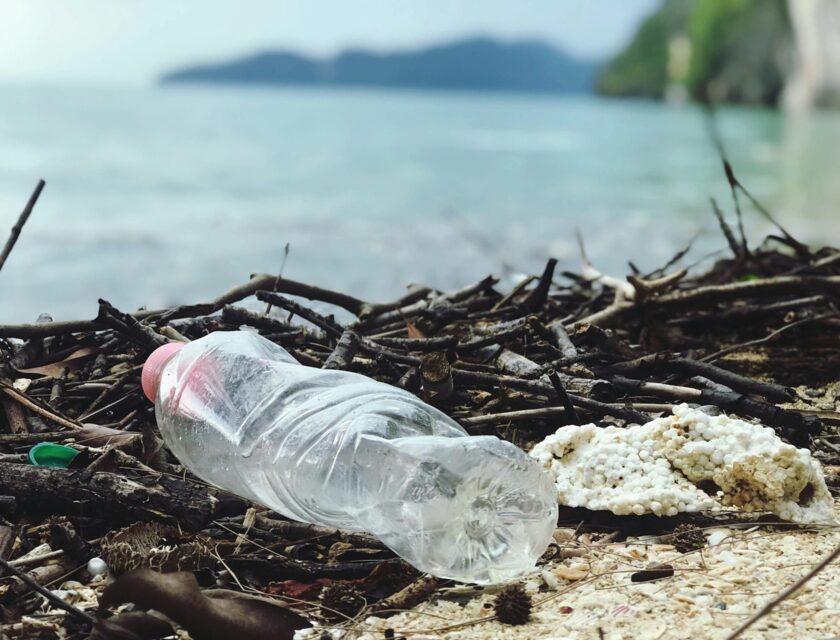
[{"x": 158, "y": 196}]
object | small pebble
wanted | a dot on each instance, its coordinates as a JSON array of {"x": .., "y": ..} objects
[
  {"x": 550, "y": 580},
  {"x": 563, "y": 535},
  {"x": 97, "y": 567},
  {"x": 567, "y": 573},
  {"x": 716, "y": 536}
]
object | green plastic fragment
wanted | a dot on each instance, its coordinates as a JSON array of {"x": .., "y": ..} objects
[{"x": 49, "y": 454}]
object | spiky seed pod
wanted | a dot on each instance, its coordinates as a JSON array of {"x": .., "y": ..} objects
[
  {"x": 687, "y": 537},
  {"x": 513, "y": 605},
  {"x": 339, "y": 600},
  {"x": 156, "y": 546}
]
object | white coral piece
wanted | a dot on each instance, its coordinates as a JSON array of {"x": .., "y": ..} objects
[{"x": 690, "y": 461}]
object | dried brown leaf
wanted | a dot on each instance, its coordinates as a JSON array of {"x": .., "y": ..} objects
[
  {"x": 94, "y": 435},
  {"x": 214, "y": 614},
  {"x": 412, "y": 330},
  {"x": 54, "y": 369},
  {"x": 308, "y": 591},
  {"x": 133, "y": 625}
]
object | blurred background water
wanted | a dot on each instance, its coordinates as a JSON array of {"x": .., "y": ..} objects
[{"x": 172, "y": 194}]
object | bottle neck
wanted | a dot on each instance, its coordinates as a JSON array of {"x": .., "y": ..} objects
[{"x": 154, "y": 365}]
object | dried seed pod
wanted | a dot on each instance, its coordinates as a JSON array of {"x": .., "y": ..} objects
[
  {"x": 687, "y": 537},
  {"x": 513, "y": 605},
  {"x": 155, "y": 546},
  {"x": 436, "y": 375},
  {"x": 339, "y": 600}
]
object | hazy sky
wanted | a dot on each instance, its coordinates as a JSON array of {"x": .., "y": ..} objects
[{"x": 132, "y": 41}]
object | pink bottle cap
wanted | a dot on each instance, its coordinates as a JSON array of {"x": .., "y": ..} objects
[{"x": 153, "y": 368}]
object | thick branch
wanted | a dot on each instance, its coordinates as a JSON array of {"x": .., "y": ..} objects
[{"x": 96, "y": 494}]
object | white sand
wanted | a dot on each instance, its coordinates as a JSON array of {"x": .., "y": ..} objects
[{"x": 709, "y": 596}]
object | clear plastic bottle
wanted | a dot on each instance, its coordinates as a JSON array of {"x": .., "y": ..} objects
[{"x": 339, "y": 449}]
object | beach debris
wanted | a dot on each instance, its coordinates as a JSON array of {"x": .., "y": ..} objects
[
  {"x": 513, "y": 605},
  {"x": 686, "y": 462},
  {"x": 624, "y": 611},
  {"x": 687, "y": 538},
  {"x": 94, "y": 435},
  {"x": 623, "y": 289},
  {"x": 571, "y": 574},
  {"x": 97, "y": 567},
  {"x": 746, "y": 337},
  {"x": 716, "y": 535},
  {"x": 550, "y": 579},
  {"x": 217, "y": 614},
  {"x": 655, "y": 572},
  {"x": 132, "y": 625},
  {"x": 155, "y": 546},
  {"x": 341, "y": 601},
  {"x": 49, "y": 454}
]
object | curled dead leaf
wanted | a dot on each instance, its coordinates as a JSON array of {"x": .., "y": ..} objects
[
  {"x": 298, "y": 590},
  {"x": 94, "y": 435},
  {"x": 412, "y": 331},
  {"x": 54, "y": 369},
  {"x": 213, "y": 614},
  {"x": 132, "y": 625}
]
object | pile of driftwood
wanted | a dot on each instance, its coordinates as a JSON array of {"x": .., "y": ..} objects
[{"x": 557, "y": 348}]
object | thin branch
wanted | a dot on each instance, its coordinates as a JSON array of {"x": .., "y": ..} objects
[
  {"x": 796, "y": 586},
  {"x": 666, "y": 362},
  {"x": 279, "y": 276},
  {"x": 753, "y": 288},
  {"x": 24, "y": 216},
  {"x": 751, "y": 343},
  {"x": 257, "y": 282},
  {"x": 27, "y": 402},
  {"x": 744, "y": 246},
  {"x": 322, "y": 322},
  {"x": 735, "y": 186},
  {"x": 53, "y": 599},
  {"x": 514, "y": 416},
  {"x": 47, "y": 329},
  {"x": 822, "y": 262},
  {"x": 727, "y": 230},
  {"x": 264, "y": 281},
  {"x": 674, "y": 260},
  {"x": 571, "y": 415}
]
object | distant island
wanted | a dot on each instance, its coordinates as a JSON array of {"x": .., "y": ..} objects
[{"x": 475, "y": 64}]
